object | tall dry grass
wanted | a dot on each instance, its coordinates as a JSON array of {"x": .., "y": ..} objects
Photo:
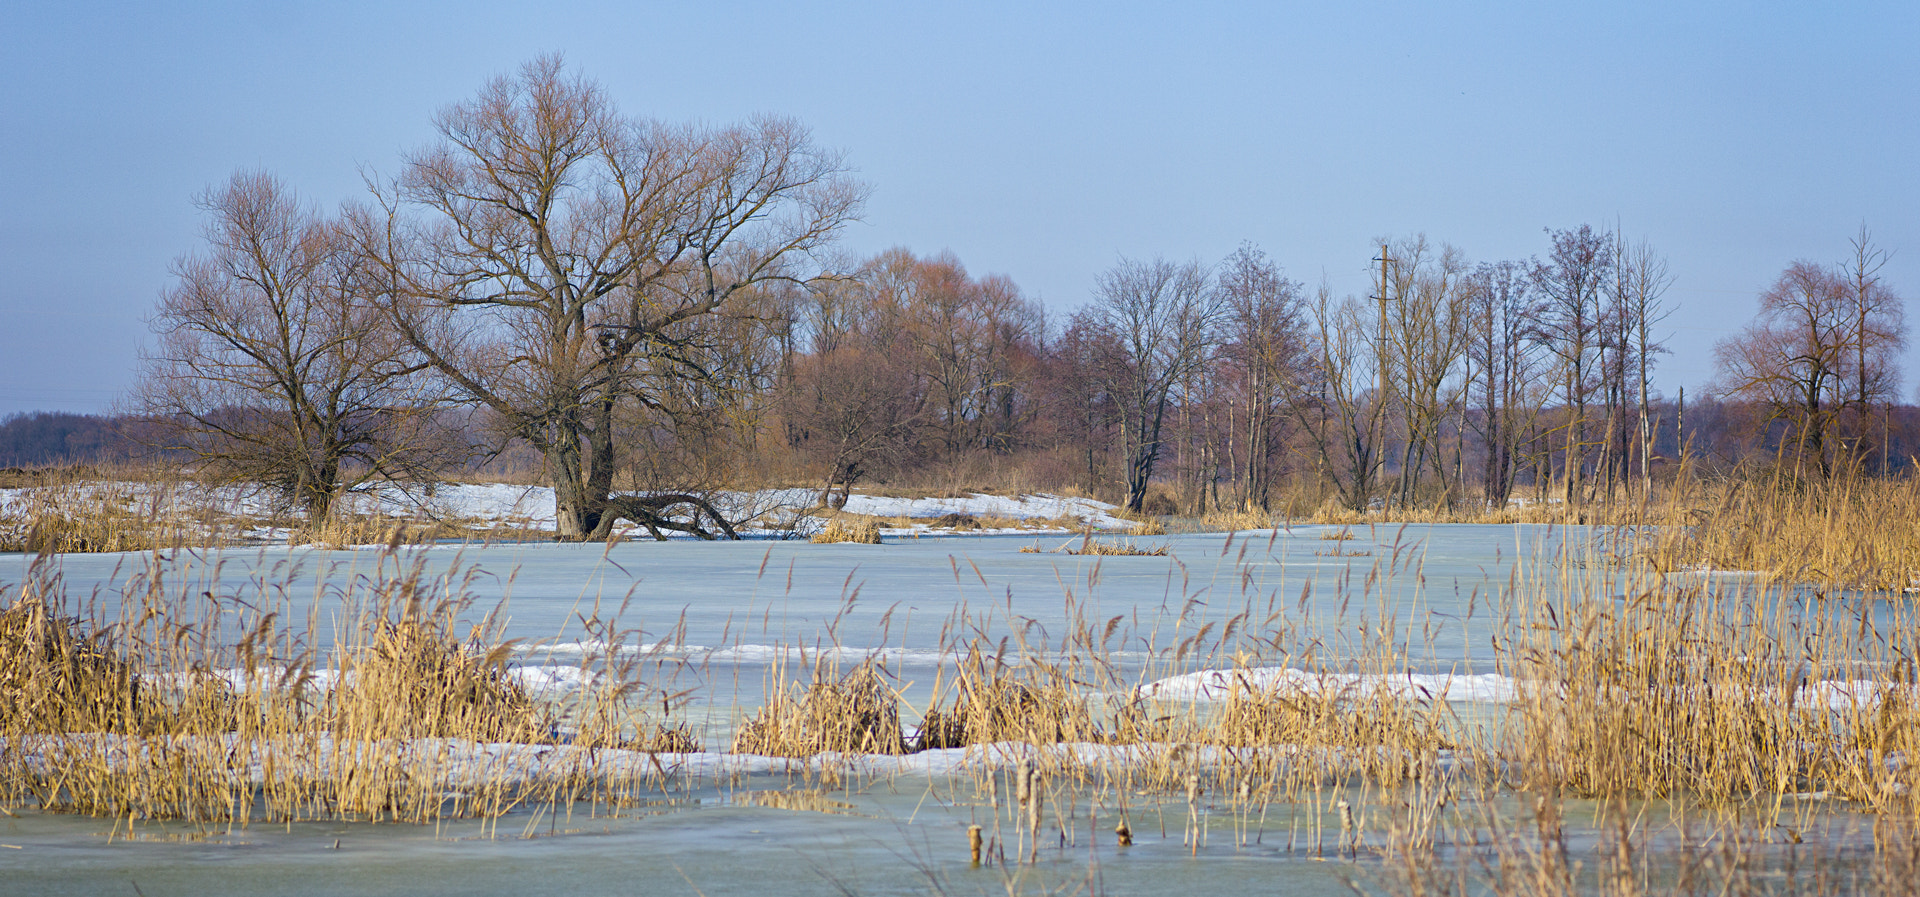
[
  {"x": 126, "y": 508},
  {"x": 56, "y": 677},
  {"x": 984, "y": 699},
  {"x": 227, "y": 707},
  {"x": 860, "y": 532},
  {"x": 855, "y": 711},
  {"x": 1760, "y": 711},
  {"x": 1677, "y": 734},
  {"x": 1744, "y": 694},
  {"x": 1849, "y": 531}
]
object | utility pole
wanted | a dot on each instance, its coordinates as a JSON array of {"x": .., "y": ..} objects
[
  {"x": 1380, "y": 338},
  {"x": 1680, "y": 440},
  {"x": 1378, "y": 417}
]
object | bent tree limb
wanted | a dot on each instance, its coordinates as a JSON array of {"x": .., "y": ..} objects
[{"x": 650, "y": 511}]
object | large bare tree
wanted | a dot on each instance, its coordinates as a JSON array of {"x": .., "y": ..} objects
[
  {"x": 275, "y": 365},
  {"x": 1643, "y": 278},
  {"x": 1164, "y": 316},
  {"x": 548, "y": 255}
]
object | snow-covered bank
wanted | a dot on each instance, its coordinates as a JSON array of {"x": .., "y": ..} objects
[
  {"x": 1038, "y": 506},
  {"x": 484, "y": 506},
  {"x": 1220, "y": 685},
  {"x": 1204, "y": 686},
  {"x": 458, "y": 763}
]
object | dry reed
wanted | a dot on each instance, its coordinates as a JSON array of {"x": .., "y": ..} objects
[
  {"x": 863, "y": 532},
  {"x": 211, "y": 708},
  {"x": 69, "y": 510},
  {"x": 1848, "y": 531},
  {"x": 1036, "y": 703},
  {"x": 854, "y": 712}
]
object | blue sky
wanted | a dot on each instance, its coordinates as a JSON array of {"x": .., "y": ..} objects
[{"x": 1043, "y": 142}]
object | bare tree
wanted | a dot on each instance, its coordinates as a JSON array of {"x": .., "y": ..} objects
[
  {"x": 1015, "y": 327},
  {"x": 1266, "y": 352},
  {"x": 1881, "y": 327},
  {"x": 958, "y": 332},
  {"x": 859, "y": 412},
  {"x": 1348, "y": 417},
  {"x": 1643, "y": 279},
  {"x": 1424, "y": 343},
  {"x": 275, "y": 366},
  {"x": 1164, "y": 317},
  {"x": 835, "y": 312},
  {"x": 549, "y": 256},
  {"x": 1505, "y": 372},
  {"x": 1570, "y": 284},
  {"x": 1083, "y": 362},
  {"x": 1794, "y": 358}
]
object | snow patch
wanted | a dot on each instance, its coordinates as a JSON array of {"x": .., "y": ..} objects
[{"x": 1220, "y": 685}]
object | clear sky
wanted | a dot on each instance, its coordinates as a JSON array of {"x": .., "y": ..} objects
[{"x": 1041, "y": 141}]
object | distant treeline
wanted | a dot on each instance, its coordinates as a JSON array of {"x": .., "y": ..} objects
[
  {"x": 55, "y": 438},
  {"x": 1718, "y": 436}
]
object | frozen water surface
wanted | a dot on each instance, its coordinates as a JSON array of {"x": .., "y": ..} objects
[
  {"x": 881, "y": 840},
  {"x": 731, "y": 610}
]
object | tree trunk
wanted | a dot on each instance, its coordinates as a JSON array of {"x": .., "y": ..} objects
[{"x": 570, "y": 505}]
